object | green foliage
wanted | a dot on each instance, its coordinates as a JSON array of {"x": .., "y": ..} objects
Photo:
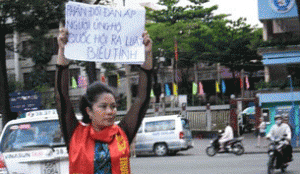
[
  {"x": 261, "y": 85},
  {"x": 47, "y": 96},
  {"x": 232, "y": 43},
  {"x": 110, "y": 68},
  {"x": 38, "y": 77},
  {"x": 14, "y": 86},
  {"x": 201, "y": 36}
]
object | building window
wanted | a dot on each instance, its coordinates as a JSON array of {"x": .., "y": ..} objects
[
  {"x": 51, "y": 44},
  {"x": 9, "y": 49},
  {"x": 26, "y": 48}
]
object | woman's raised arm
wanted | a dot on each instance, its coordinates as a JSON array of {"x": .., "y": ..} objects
[{"x": 68, "y": 121}]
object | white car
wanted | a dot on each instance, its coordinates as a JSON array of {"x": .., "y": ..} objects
[
  {"x": 33, "y": 145},
  {"x": 164, "y": 135}
]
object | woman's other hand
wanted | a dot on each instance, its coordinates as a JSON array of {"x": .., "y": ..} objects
[
  {"x": 62, "y": 40},
  {"x": 148, "y": 51}
]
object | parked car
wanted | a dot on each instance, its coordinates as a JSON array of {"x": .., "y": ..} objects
[
  {"x": 163, "y": 135},
  {"x": 34, "y": 145}
]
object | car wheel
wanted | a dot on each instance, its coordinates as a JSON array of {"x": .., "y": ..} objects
[{"x": 160, "y": 149}]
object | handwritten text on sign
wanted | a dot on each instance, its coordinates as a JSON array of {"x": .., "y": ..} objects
[{"x": 105, "y": 34}]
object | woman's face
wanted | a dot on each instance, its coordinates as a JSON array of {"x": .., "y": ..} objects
[{"x": 103, "y": 111}]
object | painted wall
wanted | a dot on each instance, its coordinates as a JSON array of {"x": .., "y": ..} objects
[{"x": 274, "y": 9}]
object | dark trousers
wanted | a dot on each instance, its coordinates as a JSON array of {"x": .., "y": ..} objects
[{"x": 287, "y": 153}]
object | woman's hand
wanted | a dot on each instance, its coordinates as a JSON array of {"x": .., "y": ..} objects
[
  {"x": 62, "y": 40},
  {"x": 148, "y": 51}
]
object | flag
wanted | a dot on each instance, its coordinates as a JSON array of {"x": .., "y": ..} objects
[
  {"x": 82, "y": 82},
  {"x": 175, "y": 88},
  {"x": 223, "y": 87},
  {"x": 152, "y": 93},
  {"x": 118, "y": 79},
  {"x": 241, "y": 83},
  {"x": 247, "y": 83},
  {"x": 217, "y": 87},
  {"x": 167, "y": 90},
  {"x": 194, "y": 88},
  {"x": 201, "y": 91},
  {"x": 102, "y": 78},
  {"x": 74, "y": 84}
]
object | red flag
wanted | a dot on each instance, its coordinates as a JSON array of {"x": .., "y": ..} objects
[
  {"x": 241, "y": 83},
  {"x": 201, "y": 91},
  {"x": 103, "y": 78},
  {"x": 176, "y": 50},
  {"x": 247, "y": 83}
]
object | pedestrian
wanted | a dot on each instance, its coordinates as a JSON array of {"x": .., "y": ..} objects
[
  {"x": 96, "y": 144},
  {"x": 261, "y": 132},
  {"x": 132, "y": 148}
]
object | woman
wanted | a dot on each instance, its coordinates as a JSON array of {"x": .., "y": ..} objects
[
  {"x": 97, "y": 145},
  {"x": 262, "y": 131}
]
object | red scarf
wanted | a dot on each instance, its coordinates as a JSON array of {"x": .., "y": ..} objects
[{"x": 82, "y": 147}]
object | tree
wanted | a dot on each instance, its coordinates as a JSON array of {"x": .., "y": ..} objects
[
  {"x": 203, "y": 37},
  {"x": 232, "y": 43},
  {"x": 34, "y": 18},
  {"x": 177, "y": 23}
]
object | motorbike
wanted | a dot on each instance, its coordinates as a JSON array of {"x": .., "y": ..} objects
[
  {"x": 234, "y": 146},
  {"x": 275, "y": 152}
]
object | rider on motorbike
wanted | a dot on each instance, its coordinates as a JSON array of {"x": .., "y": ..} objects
[
  {"x": 282, "y": 130},
  {"x": 226, "y": 136}
]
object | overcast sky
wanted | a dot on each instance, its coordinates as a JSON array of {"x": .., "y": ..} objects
[{"x": 237, "y": 8}]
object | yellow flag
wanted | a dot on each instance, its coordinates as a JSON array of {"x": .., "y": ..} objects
[
  {"x": 118, "y": 79},
  {"x": 152, "y": 93},
  {"x": 217, "y": 87},
  {"x": 175, "y": 89}
]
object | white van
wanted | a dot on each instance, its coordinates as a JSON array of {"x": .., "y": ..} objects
[
  {"x": 34, "y": 145},
  {"x": 163, "y": 135}
]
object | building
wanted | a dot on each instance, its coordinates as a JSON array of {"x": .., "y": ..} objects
[{"x": 281, "y": 31}]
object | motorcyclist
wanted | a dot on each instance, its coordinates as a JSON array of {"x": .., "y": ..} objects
[
  {"x": 282, "y": 130},
  {"x": 226, "y": 136}
]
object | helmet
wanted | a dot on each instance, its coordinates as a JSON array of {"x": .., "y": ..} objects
[{"x": 278, "y": 116}]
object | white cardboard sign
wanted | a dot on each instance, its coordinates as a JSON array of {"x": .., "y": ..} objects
[{"x": 105, "y": 34}]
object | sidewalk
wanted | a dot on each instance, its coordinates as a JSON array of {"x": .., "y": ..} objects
[{"x": 250, "y": 142}]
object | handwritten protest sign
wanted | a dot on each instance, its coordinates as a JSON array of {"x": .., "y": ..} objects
[{"x": 105, "y": 34}]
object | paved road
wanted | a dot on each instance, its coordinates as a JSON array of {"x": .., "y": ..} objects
[
  {"x": 196, "y": 161},
  {"x": 200, "y": 163}
]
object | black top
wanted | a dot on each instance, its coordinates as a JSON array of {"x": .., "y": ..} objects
[{"x": 130, "y": 123}]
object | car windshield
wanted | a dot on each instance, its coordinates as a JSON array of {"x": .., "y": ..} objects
[{"x": 23, "y": 136}]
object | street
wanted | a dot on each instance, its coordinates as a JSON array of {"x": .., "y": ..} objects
[{"x": 196, "y": 161}]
